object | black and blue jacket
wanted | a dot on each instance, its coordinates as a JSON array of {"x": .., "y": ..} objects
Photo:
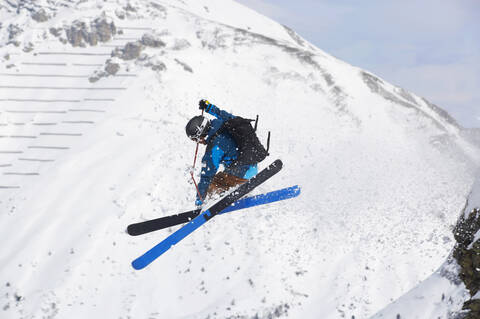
[{"x": 221, "y": 150}]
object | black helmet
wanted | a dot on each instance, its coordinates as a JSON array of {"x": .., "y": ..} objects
[{"x": 197, "y": 127}]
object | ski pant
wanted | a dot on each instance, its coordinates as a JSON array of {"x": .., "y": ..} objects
[{"x": 222, "y": 182}]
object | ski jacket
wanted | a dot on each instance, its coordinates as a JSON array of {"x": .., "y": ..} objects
[{"x": 222, "y": 150}]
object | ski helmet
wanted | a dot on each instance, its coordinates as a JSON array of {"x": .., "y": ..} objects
[{"x": 197, "y": 127}]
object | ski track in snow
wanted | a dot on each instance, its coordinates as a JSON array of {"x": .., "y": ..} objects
[{"x": 384, "y": 175}]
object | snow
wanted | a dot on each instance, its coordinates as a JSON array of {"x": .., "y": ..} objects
[
  {"x": 233, "y": 14},
  {"x": 435, "y": 297},
  {"x": 383, "y": 179},
  {"x": 476, "y": 296},
  {"x": 474, "y": 197}
]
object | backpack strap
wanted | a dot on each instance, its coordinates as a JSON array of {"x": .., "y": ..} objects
[{"x": 268, "y": 143}]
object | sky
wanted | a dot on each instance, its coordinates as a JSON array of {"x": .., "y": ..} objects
[{"x": 429, "y": 47}]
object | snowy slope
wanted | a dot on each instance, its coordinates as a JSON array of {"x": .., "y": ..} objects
[
  {"x": 85, "y": 151},
  {"x": 473, "y": 135},
  {"x": 443, "y": 294},
  {"x": 474, "y": 196}
]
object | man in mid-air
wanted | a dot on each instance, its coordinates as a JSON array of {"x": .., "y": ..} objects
[{"x": 231, "y": 142}]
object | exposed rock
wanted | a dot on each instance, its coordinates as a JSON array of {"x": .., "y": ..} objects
[
  {"x": 466, "y": 228},
  {"x": 444, "y": 114},
  {"x": 156, "y": 65},
  {"x": 120, "y": 14},
  {"x": 130, "y": 51},
  {"x": 150, "y": 40},
  {"x": 10, "y": 6},
  {"x": 158, "y": 6},
  {"x": 99, "y": 30},
  {"x": 473, "y": 306},
  {"x": 467, "y": 254},
  {"x": 40, "y": 16},
  {"x": 104, "y": 30},
  {"x": 56, "y": 31},
  {"x": 160, "y": 11},
  {"x": 77, "y": 34},
  {"x": 213, "y": 39},
  {"x": 13, "y": 31},
  {"x": 111, "y": 67},
  {"x": 185, "y": 66},
  {"x": 328, "y": 79},
  {"x": 407, "y": 96},
  {"x": 94, "y": 78},
  {"x": 130, "y": 8},
  {"x": 295, "y": 37},
  {"x": 28, "y": 47}
]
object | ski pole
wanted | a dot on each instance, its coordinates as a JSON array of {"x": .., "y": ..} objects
[
  {"x": 193, "y": 169},
  {"x": 193, "y": 178}
]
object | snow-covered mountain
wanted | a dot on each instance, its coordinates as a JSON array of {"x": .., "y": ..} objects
[
  {"x": 94, "y": 97},
  {"x": 443, "y": 294},
  {"x": 472, "y": 134}
]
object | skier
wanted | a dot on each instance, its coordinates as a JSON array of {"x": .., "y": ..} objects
[{"x": 231, "y": 142}]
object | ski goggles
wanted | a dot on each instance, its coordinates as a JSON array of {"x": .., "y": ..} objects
[{"x": 199, "y": 130}]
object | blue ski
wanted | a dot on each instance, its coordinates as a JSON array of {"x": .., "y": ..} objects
[
  {"x": 177, "y": 219},
  {"x": 262, "y": 199},
  {"x": 147, "y": 258}
]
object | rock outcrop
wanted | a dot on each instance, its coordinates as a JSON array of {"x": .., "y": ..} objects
[
  {"x": 111, "y": 68},
  {"x": 40, "y": 15},
  {"x": 13, "y": 32},
  {"x": 467, "y": 254},
  {"x": 132, "y": 50},
  {"x": 79, "y": 34}
]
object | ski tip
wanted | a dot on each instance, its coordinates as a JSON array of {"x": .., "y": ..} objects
[
  {"x": 138, "y": 265},
  {"x": 277, "y": 163},
  {"x": 131, "y": 230},
  {"x": 296, "y": 190}
]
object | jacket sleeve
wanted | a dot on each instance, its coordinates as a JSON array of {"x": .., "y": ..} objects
[
  {"x": 218, "y": 113},
  {"x": 210, "y": 164}
]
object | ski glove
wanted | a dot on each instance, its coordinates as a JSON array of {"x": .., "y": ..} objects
[
  {"x": 198, "y": 203},
  {"x": 203, "y": 104}
]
